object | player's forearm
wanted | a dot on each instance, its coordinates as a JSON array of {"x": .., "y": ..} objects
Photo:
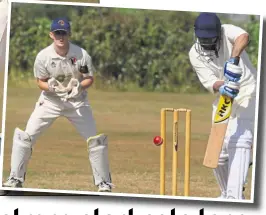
[
  {"x": 217, "y": 85},
  {"x": 43, "y": 85},
  {"x": 240, "y": 44},
  {"x": 86, "y": 83}
]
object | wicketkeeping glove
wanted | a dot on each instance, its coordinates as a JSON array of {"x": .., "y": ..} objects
[
  {"x": 55, "y": 86},
  {"x": 230, "y": 89},
  {"x": 75, "y": 87}
]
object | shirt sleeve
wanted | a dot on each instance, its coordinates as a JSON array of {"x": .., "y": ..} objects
[
  {"x": 206, "y": 76},
  {"x": 40, "y": 70},
  {"x": 232, "y": 32}
]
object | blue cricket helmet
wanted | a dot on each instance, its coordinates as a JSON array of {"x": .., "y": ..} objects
[
  {"x": 207, "y": 25},
  {"x": 207, "y": 29}
]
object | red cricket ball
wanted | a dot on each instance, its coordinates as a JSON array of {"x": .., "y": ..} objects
[{"x": 157, "y": 140}]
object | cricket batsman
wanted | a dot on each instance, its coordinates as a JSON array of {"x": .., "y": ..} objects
[
  {"x": 64, "y": 72},
  {"x": 223, "y": 67}
]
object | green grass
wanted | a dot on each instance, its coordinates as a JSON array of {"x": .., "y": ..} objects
[{"x": 131, "y": 120}]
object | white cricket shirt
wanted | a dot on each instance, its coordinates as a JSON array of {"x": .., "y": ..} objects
[
  {"x": 211, "y": 69},
  {"x": 49, "y": 64}
]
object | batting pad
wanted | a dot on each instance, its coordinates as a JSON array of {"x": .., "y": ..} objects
[
  {"x": 98, "y": 155},
  {"x": 21, "y": 153},
  {"x": 221, "y": 172},
  {"x": 239, "y": 159}
]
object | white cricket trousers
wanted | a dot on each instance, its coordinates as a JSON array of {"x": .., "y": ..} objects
[
  {"x": 45, "y": 113},
  {"x": 48, "y": 110},
  {"x": 231, "y": 173}
]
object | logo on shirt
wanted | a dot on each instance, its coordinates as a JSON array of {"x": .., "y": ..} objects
[
  {"x": 53, "y": 65},
  {"x": 73, "y": 60}
]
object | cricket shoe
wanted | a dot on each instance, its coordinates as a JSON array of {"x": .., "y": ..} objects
[
  {"x": 230, "y": 197},
  {"x": 105, "y": 187},
  {"x": 13, "y": 182},
  {"x": 223, "y": 196}
]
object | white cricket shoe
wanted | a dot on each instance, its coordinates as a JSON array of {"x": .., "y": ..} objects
[
  {"x": 105, "y": 187},
  {"x": 12, "y": 182},
  {"x": 225, "y": 197},
  {"x": 243, "y": 197}
]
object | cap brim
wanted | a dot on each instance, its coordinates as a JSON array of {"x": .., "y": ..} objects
[
  {"x": 59, "y": 30},
  {"x": 206, "y": 33}
]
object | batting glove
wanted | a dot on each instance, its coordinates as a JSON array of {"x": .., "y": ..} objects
[
  {"x": 232, "y": 71},
  {"x": 230, "y": 89}
]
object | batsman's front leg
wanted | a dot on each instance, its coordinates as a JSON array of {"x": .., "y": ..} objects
[{"x": 221, "y": 173}]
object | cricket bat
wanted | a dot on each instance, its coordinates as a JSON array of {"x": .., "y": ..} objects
[{"x": 218, "y": 130}]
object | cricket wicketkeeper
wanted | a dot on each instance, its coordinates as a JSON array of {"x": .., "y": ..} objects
[
  {"x": 64, "y": 72},
  {"x": 224, "y": 68}
]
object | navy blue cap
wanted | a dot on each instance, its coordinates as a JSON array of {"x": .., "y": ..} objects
[
  {"x": 207, "y": 25},
  {"x": 60, "y": 24}
]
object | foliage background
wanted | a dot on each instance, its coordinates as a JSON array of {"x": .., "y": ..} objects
[{"x": 132, "y": 49}]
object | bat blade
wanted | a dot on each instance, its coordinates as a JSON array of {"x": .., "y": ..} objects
[{"x": 218, "y": 131}]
